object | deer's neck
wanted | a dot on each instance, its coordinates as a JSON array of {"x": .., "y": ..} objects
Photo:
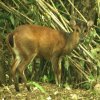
[{"x": 71, "y": 42}]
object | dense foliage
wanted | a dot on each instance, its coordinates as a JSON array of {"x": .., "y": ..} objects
[{"x": 82, "y": 66}]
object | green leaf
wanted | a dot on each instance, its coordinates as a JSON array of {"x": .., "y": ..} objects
[
  {"x": 12, "y": 20},
  {"x": 38, "y": 86}
]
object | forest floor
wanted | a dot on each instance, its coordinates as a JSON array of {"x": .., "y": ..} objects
[{"x": 49, "y": 92}]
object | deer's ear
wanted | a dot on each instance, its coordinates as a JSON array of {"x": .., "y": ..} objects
[
  {"x": 87, "y": 28},
  {"x": 72, "y": 23},
  {"x": 90, "y": 23}
]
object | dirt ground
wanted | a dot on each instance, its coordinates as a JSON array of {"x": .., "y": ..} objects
[{"x": 51, "y": 92}]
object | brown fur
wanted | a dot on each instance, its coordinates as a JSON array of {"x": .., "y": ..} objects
[{"x": 32, "y": 40}]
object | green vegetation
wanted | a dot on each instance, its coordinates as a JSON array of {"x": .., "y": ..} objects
[{"x": 82, "y": 67}]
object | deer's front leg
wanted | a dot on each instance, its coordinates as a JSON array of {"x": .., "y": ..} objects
[{"x": 56, "y": 65}]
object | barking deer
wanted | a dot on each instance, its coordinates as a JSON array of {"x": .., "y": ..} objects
[{"x": 28, "y": 41}]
